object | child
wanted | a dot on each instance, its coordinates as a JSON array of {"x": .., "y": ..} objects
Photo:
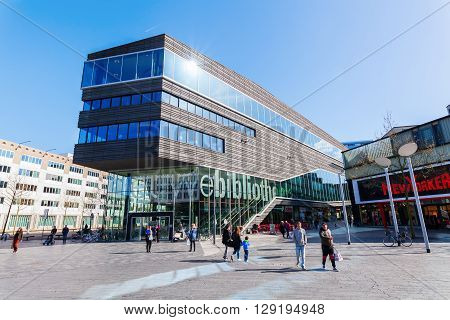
[{"x": 246, "y": 245}]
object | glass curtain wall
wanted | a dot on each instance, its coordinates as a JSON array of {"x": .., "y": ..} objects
[{"x": 206, "y": 196}]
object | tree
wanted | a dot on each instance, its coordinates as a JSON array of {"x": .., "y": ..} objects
[{"x": 14, "y": 193}]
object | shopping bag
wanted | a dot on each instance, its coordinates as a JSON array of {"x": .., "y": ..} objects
[
  {"x": 337, "y": 255},
  {"x": 188, "y": 242}
]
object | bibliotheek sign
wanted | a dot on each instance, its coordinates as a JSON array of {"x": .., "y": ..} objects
[
  {"x": 430, "y": 181},
  {"x": 236, "y": 187}
]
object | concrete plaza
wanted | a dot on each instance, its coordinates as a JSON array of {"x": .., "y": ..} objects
[{"x": 125, "y": 271}]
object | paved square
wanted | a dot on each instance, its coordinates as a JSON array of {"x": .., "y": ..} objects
[{"x": 125, "y": 271}]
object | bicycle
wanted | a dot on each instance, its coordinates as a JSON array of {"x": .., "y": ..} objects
[{"x": 402, "y": 238}]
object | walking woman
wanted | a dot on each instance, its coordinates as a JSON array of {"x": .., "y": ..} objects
[
  {"x": 327, "y": 246},
  {"x": 16, "y": 240},
  {"x": 237, "y": 242},
  {"x": 149, "y": 238},
  {"x": 226, "y": 240}
]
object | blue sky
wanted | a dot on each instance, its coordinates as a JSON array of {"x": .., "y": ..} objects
[{"x": 288, "y": 47}]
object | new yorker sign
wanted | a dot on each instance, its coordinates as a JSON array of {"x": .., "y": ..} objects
[
  {"x": 232, "y": 185},
  {"x": 433, "y": 181}
]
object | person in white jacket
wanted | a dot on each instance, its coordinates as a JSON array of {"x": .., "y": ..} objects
[{"x": 300, "y": 240}]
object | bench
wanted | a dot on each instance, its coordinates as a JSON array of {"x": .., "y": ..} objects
[{"x": 27, "y": 237}]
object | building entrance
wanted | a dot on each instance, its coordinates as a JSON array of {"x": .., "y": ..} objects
[{"x": 138, "y": 224}]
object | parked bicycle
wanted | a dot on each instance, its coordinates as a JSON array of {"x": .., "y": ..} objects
[
  {"x": 91, "y": 237},
  {"x": 390, "y": 240}
]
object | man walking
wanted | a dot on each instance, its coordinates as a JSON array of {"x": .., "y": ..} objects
[
  {"x": 65, "y": 232},
  {"x": 300, "y": 240},
  {"x": 193, "y": 237}
]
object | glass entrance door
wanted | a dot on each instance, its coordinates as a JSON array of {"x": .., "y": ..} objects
[{"x": 139, "y": 225}]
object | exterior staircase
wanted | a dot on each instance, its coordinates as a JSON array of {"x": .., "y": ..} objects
[{"x": 262, "y": 214}]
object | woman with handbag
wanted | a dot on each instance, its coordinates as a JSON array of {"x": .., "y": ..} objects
[{"x": 327, "y": 246}]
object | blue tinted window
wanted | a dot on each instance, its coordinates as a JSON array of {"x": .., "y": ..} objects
[
  {"x": 144, "y": 66},
  {"x": 219, "y": 145},
  {"x": 213, "y": 116},
  {"x": 226, "y": 122},
  {"x": 87, "y": 105},
  {"x": 191, "y": 107},
  {"x": 158, "y": 56},
  {"x": 133, "y": 130},
  {"x": 154, "y": 128},
  {"x": 219, "y": 119},
  {"x": 144, "y": 129},
  {"x": 237, "y": 126},
  {"x": 168, "y": 64},
  {"x": 101, "y": 134},
  {"x": 126, "y": 100},
  {"x": 164, "y": 129},
  {"x": 87, "y": 74},
  {"x": 173, "y": 131},
  {"x": 190, "y": 136},
  {"x": 112, "y": 132},
  {"x": 231, "y": 124},
  {"x": 156, "y": 96},
  {"x": 249, "y": 132},
  {"x": 115, "y": 102},
  {"x": 146, "y": 98},
  {"x": 206, "y": 141},
  {"x": 182, "y": 104},
  {"x": 136, "y": 99},
  {"x": 174, "y": 101},
  {"x": 91, "y": 135},
  {"x": 206, "y": 114},
  {"x": 165, "y": 97},
  {"x": 96, "y": 104},
  {"x": 114, "y": 69},
  {"x": 122, "y": 132},
  {"x": 198, "y": 111},
  {"x": 198, "y": 139},
  {"x": 203, "y": 82},
  {"x": 106, "y": 103},
  {"x": 182, "y": 134},
  {"x": 99, "y": 76},
  {"x": 82, "y": 136},
  {"x": 214, "y": 143},
  {"x": 129, "y": 67}
]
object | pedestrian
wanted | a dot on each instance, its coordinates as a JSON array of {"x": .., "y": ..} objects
[
  {"x": 300, "y": 240},
  {"x": 193, "y": 237},
  {"x": 157, "y": 233},
  {"x": 148, "y": 239},
  {"x": 237, "y": 242},
  {"x": 282, "y": 229},
  {"x": 226, "y": 240},
  {"x": 65, "y": 232},
  {"x": 51, "y": 239},
  {"x": 327, "y": 246},
  {"x": 246, "y": 246},
  {"x": 16, "y": 240},
  {"x": 86, "y": 229},
  {"x": 287, "y": 228}
]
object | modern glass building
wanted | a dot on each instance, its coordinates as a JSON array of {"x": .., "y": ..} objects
[
  {"x": 189, "y": 141},
  {"x": 368, "y": 187}
]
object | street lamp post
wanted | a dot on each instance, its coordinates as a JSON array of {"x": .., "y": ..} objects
[
  {"x": 385, "y": 164},
  {"x": 344, "y": 209},
  {"x": 341, "y": 188},
  {"x": 407, "y": 150}
]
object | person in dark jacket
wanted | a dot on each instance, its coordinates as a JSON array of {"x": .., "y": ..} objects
[
  {"x": 237, "y": 242},
  {"x": 327, "y": 246},
  {"x": 148, "y": 239},
  {"x": 65, "y": 232},
  {"x": 287, "y": 227},
  {"x": 16, "y": 240},
  {"x": 193, "y": 237},
  {"x": 282, "y": 229},
  {"x": 226, "y": 240}
]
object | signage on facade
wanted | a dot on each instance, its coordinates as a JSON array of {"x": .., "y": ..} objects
[
  {"x": 430, "y": 181},
  {"x": 235, "y": 187}
]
